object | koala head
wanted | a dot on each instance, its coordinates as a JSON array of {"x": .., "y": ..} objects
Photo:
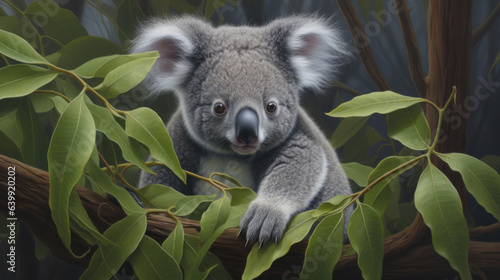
[{"x": 239, "y": 86}]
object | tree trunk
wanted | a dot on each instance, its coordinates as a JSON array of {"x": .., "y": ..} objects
[{"x": 449, "y": 34}]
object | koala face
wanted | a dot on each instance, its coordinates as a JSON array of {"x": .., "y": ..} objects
[
  {"x": 239, "y": 86},
  {"x": 239, "y": 102}
]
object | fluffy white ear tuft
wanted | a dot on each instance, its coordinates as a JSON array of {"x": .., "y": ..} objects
[
  {"x": 316, "y": 50},
  {"x": 174, "y": 47}
]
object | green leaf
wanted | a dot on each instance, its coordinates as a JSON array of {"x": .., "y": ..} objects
[
  {"x": 125, "y": 77},
  {"x": 146, "y": 126},
  {"x": 100, "y": 179},
  {"x": 439, "y": 203},
  {"x": 100, "y": 67},
  {"x": 324, "y": 248},
  {"x": 174, "y": 243},
  {"x": 381, "y": 102},
  {"x": 357, "y": 172},
  {"x": 79, "y": 216},
  {"x": 191, "y": 256},
  {"x": 378, "y": 7},
  {"x": 9, "y": 148},
  {"x": 347, "y": 129},
  {"x": 35, "y": 142},
  {"x": 259, "y": 261},
  {"x": 41, "y": 250},
  {"x": 482, "y": 181},
  {"x": 12, "y": 24},
  {"x": 70, "y": 148},
  {"x": 409, "y": 126},
  {"x": 18, "y": 49},
  {"x": 129, "y": 16},
  {"x": 83, "y": 49},
  {"x": 106, "y": 123},
  {"x": 20, "y": 79},
  {"x": 150, "y": 261},
  {"x": 187, "y": 204},
  {"x": 215, "y": 216},
  {"x": 126, "y": 234},
  {"x": 380, "y": 194},
  {"x": 240, "y": 199},
  {"x": 228, "y": 178},
  {"x": 159, "y": 196},
  {"x": 332, "y": 205},
  {"x": 366, "y": 234},
  {"x": 56, "y": 22}
]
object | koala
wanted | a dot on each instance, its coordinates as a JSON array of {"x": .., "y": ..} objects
[{"x": 239, "y": 112}]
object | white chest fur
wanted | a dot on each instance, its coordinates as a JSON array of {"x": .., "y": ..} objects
[{"x": 241, "y": 170}]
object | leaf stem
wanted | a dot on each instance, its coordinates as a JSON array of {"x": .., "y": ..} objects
[
  {"x": 39, "y": 37},
  {"x": 379, "y": 179},
  {"x": 53, "y": 92}
]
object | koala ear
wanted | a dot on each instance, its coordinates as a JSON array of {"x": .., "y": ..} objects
[
  {"x": 176, "y": 41},
  {"x": 315, "y": 49}
]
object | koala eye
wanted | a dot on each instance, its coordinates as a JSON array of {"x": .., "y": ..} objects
[
  {"x": 220, "y": 109},
  {"x": 271, "y": 108}
]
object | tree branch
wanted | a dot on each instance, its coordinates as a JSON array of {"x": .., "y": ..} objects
[
  {"x": 406, "y": 254},
  {"x": 361, "y": 42},
  {"x": 483, "y": 28},
  {"x": 412, "y": 50}
]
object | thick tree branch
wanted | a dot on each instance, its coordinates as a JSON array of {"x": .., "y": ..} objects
[
  {"x": 412, "y": 50},
  {"x": 406, "y": 253},
  {"x": 361, "y": 42},
  {"x": 483, "y": 28}
]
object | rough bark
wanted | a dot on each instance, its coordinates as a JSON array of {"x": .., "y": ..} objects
[{"x": 404, "y": 256}]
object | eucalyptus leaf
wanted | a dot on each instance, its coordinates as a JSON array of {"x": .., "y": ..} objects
[
  {"x": 126, "y": 234},
  {"x": 35, "y": 142},
  {"x": 20, "y": 79},
  {"x": 174, "y": 244},
  {"x": 146, "y": 126},
  {"x": 382, "y": 192},
  {"x": 8, "y": 147},
  {"x": 366, "y": 234},
  {"x": 259, "y": 260},
  {"x": 482, "y": 181},
  {"x": 191, "y": 256},
  {"x": 12, "y": 24},
  {"x": 324, "y": 248},
  {"x": 332, "y": 205},
  {"x": 215, "y": 216},
  {"x": 151, "y": 262},
  {"x": 409, "y": 126},
  {"x": 439, "y": 203},
  {"x": 125, "y": 77},
  {"x": 56, "y": 22},
  {"x": 186, "y": 205},
  {"x": 357, "y": 172},
  {"x": 106, "y": 123},
  {"x": 159, "y": 196},
  {"x": 347, "y": 129},
  {"x": 240, "y": 199},
  {"x": 69, "y": 150},
  {"x": 381, "y": 102},
  {"x": 100, "y": 179},
  {"x": 18, "y": 49},
  {"x": 83, "y": 49},
  {"x": 101, "y": 66}
]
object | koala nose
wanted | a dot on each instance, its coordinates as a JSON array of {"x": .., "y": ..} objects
[{"x": 247, "y": 126}]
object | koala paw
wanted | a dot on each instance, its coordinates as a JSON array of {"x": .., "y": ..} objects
[{"x": 264, "y": 221}]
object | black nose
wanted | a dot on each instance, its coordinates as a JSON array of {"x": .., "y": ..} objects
[{"x": 247, "y": 126}]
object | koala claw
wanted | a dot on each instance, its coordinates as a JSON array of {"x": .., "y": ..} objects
[{"x": 263, "y": 223}]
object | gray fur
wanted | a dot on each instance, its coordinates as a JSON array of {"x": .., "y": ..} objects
[{"x": 291, "y": 166}]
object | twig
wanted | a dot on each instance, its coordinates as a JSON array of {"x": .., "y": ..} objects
[
  {"x": 362, "y": 45},
  {"x": 412, "y": 50},
  {"x": 483, "y": 28},
  {"x": 347, "y": 88}
]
